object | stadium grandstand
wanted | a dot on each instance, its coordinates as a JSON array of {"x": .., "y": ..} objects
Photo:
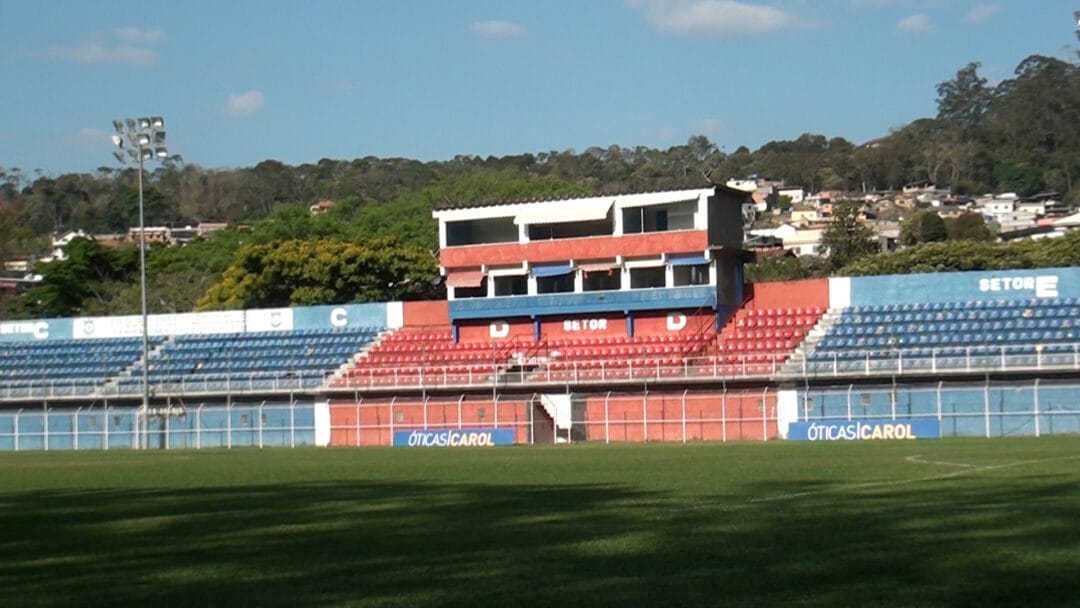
[{"x": 612, "y": 318}]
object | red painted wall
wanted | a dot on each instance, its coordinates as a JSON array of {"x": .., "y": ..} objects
[
  {"x": 648, "y": 324},
  {"x": 592, "y": 248},
  {"x": 583, "y": 326},
  {"x": 790, "y": 294},
  {"x": 734, "y": 416},
  {"x": 426, "y": 313},
  {"x": 496, "y": 331},
  {"x": 371, "y": 422}
]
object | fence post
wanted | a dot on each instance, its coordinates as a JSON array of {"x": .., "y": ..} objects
[
  {"x": 75, "y": 430},
  {"x": 684, "y": 414},
  {"x": 17, "y": 430},
  {"x": 1035, "y": 396},
  {"x": 723, "y": 414},
  {"x": 292, "y": 422},
  {"x": 607, "y": 419},
  {"x": 645, "y": 415},
  {"x": 260, "y": 412},
  {"x": 939, "y": 385},
  {"x": 198, "y": 427},
  {"x": 986, "y": 405},
  {"x": 764, "y": 414},
  {"x": 45, "y": 425},
  {"x": 105, "y": 428}
]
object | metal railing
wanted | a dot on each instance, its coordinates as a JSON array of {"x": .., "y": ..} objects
[{"x": 704, "y": 369}]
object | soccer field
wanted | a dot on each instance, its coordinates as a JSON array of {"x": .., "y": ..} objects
[{"x": 945, "y": 523}]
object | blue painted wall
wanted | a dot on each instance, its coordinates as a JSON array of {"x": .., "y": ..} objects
[
  {"x": 964, "y": 409},
  {"x": 700, "y": 296},
  {"x": 208, "y": 427},
  {"x": 345, "y": 315},
  {"x": 962, "y": 286}
]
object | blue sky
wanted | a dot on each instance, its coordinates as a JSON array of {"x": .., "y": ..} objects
[{"x": 241, "y": 82}]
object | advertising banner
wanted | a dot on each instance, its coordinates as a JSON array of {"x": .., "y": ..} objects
[
  {"x": 865, "y": 430},
  {"x": 454, "y": 438}
]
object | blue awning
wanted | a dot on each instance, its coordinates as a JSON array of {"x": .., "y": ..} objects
[
  {"x": 552, "y": 271},
  {"x": 687, "y": 259}
]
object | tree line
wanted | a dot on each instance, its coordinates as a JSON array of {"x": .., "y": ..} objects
[{"x": 1021, "y": 135}]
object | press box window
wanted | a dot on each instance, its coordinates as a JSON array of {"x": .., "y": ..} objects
[
  {"x": 562, "y": 283},
  {"x": 511, "y": 285},
  {"x": 472, "y": 292},
  {"x": 697, "y": 274},
  {"x": 601, "y": 280},
  {"x": 646, "y": 278}
]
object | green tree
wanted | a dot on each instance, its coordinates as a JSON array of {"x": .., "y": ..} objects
[
  {"x": 911, "y": 229},
  {"x": 321, "y": 271},
  {"x": 848, "y": 239},
  {"x": 91, "y": 273},
  {"x": 968, "y": 226},
  {"x": 932, "y": 228}
]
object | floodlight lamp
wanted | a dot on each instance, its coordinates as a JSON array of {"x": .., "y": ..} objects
[
  {"x": 144, "y": 123},
  {"x": 119, "y": 156},
  {"x": 159, "y": 137},
  {"x": 157, "y": 122},
  {"x": 143, "y": 140},
  {"x": 119, "y": 126},
  {"x": 130, "y": 124},
  {"x": 147, "y": 155},
  {"x": 161, "y": 152},
  {"x": 133, "y": 153},
  {"x": 119, "y": 141}
]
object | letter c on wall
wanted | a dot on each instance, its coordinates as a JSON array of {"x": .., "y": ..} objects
[{"x": 339, "y": 317}]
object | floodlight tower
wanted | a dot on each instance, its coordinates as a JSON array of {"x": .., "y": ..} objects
[{"x": 140, "y": 140}]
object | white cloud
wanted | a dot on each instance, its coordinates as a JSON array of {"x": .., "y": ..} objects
[
  {"x": 497, "y": 29},
  {"x": 86, "y": 138},
  {"x": 126, "y": 45},
  {"x": 667, "y": 133},
  {"x": 245, "y": 104},
  {"x": 94, "y": 53},
  {"x": 709, "y": 126},
  {"x": 715, "y": 18},
  {"x": 915, "y": 24},
  {"x": 981, "y": 12},
  {"x": 134, "y": 35}
]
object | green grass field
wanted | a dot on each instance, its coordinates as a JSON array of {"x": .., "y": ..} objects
[{"x": 944, "y": 523}]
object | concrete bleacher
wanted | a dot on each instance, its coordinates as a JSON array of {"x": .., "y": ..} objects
[
  {"x": 757, "y": 341},
  {"x": 949, "y": 335},
  {"x": 269, "y": 359},
  {"x": 427, "y": 356},
  {"x": 65, "y": 367},
  {"x": 620, "y": 357}
]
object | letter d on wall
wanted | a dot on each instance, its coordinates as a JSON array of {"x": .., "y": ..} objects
[
  {"x": 676, "y": 321},
  {"x": 499, "y": 329}
]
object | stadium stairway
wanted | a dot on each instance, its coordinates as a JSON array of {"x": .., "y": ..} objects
[
  {"x": 425, "y": 357},
  {"x": 757, "y": 341},
  {"x": 796, "y": 363},
  {"x": 112, "y": 384}
]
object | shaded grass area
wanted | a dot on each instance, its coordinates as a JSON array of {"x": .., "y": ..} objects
[{"x": 943, "y": 523}]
